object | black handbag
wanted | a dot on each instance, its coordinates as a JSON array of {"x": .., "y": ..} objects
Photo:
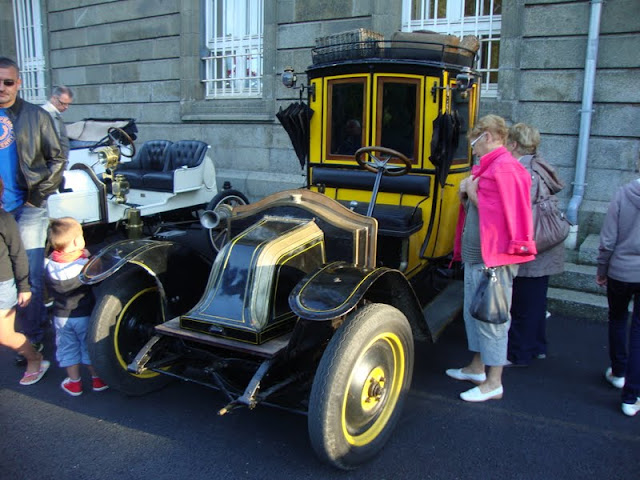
[{"x": 490, "y": 301}]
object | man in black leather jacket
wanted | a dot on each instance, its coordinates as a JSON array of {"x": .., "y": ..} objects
[{"x": 31, "y": 165}]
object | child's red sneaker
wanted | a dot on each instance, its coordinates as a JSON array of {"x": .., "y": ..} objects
[
  {"x": 98, "y": 384},
  {"x": 73, "y": 388}
]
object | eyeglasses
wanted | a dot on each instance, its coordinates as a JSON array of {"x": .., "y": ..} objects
[
  {"x": 476, "y": 140},
  {"x": 8, "y": 82},
  {"x": 63, "y": 104}
]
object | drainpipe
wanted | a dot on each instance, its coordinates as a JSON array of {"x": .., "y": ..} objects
[{"x": 585, "y": 123}]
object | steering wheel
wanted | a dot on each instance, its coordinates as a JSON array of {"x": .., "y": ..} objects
[
  {"x": 377, "y": 164},
  {"x": 119, "y": 137}
]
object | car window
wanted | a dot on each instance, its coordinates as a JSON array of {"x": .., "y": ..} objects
[
  {"x": 346, "y": 104},
  {"x": 397, "y": 105}
]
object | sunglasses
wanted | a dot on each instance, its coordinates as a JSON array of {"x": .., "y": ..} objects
[
  {"x": 8, "y": 82},
  {"x": 476, "y": 140}
]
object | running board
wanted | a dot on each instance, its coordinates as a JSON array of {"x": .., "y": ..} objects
[{"x": 446, "y": 306}]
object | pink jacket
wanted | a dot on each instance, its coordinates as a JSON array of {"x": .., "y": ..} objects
[{"x": 504, "y": 210}]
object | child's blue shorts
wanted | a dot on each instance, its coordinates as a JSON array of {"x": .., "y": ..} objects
[{"x": 71, "y": 341}]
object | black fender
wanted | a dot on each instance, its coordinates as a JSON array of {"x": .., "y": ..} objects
[
  {"x": 179, "y": 271},
  {"x": 337, "y": 288}
]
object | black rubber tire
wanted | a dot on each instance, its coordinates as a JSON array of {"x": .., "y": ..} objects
[
  {"x": 353, "y": 407},
  {"x": 219, "y": 236},
  {"x": 127, "y": 308}
]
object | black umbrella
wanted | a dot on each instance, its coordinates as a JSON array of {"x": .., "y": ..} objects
[
  {"x": 295, "y": 120},
  {"x": 444, "y": 143}
]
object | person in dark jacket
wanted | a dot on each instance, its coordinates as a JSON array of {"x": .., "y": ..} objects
[
  {"x": 619, "y": 270},
  {"x": 73, "y": 302},
  {"x": 31, "y": 166},
  {"x": 527, "y": 335},
  {"x": 15, "y": 290}
]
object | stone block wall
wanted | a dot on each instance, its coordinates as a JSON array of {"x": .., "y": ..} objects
[
  {"x": 141, "y": 59},
  {"x": 542, "y": 64},
  {"x": 7, "y": 33},
  {"x": 121, "y": 58}
]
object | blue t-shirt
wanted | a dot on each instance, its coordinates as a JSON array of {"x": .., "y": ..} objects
[{"x": 13, "y": 196}]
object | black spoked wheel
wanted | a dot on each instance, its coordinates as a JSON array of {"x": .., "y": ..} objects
[
  {"x": 127, "y": 310},
  {"x": 219, "y": 236},
  {"x": 360, "y": 386}
]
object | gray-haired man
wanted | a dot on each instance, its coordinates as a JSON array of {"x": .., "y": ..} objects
[{"x": 60, "y": 99}]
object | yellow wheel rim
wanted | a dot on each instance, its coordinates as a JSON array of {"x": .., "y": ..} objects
[{"x": 373, "y": 389}]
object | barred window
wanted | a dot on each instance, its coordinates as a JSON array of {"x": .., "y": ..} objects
[
  {"x": 233, "y": 62},
  {"x": 28, "y": 25},
  {"x": 462, "y": 17}
]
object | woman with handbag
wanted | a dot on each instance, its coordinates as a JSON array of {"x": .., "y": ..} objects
[
  {"x": 494, "y": 234},
  {"x": 527, "y": 335}
]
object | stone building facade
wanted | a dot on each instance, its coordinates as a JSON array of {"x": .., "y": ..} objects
[{"x": 142, "y": 59}]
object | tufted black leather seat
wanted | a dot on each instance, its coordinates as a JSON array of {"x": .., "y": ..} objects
[
  {"x": 189, "y": 153},
  {"x": 152, "y": 156},
  {"x": 181, "y": 154},
  {"x": 393, "y": 220}
]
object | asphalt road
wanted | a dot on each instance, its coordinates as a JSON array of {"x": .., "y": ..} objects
[{"x": 558, "y": 419}]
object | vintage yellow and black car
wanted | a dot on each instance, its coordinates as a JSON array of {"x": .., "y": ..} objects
[{"x": 316, "y": 295}]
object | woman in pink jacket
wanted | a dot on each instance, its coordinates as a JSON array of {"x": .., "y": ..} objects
[{"x": 495, "y": 229}]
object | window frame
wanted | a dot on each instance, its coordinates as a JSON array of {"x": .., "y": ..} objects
[
  {"x": 486, "y": 27},
  {"x": 194, "y": 106},
  {"x": 30, "y": 50},
  {"x": 224, "y": 47},
  {"x": 418, "y": 83}
]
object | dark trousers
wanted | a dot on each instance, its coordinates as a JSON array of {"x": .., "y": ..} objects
[
  {"x": 527, "y": 335},
  {"x": 624, "y": 351}
]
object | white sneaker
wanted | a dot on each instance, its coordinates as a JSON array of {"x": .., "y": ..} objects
[
  {"x": 630, "y": 409},
  {"x": 617, "y": 382}
]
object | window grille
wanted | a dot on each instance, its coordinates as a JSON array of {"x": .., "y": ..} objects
[
  {"x": 462, "y": 17},
  {"x": 234, "y": 43},
  {"x": 28, "y": 25}
]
